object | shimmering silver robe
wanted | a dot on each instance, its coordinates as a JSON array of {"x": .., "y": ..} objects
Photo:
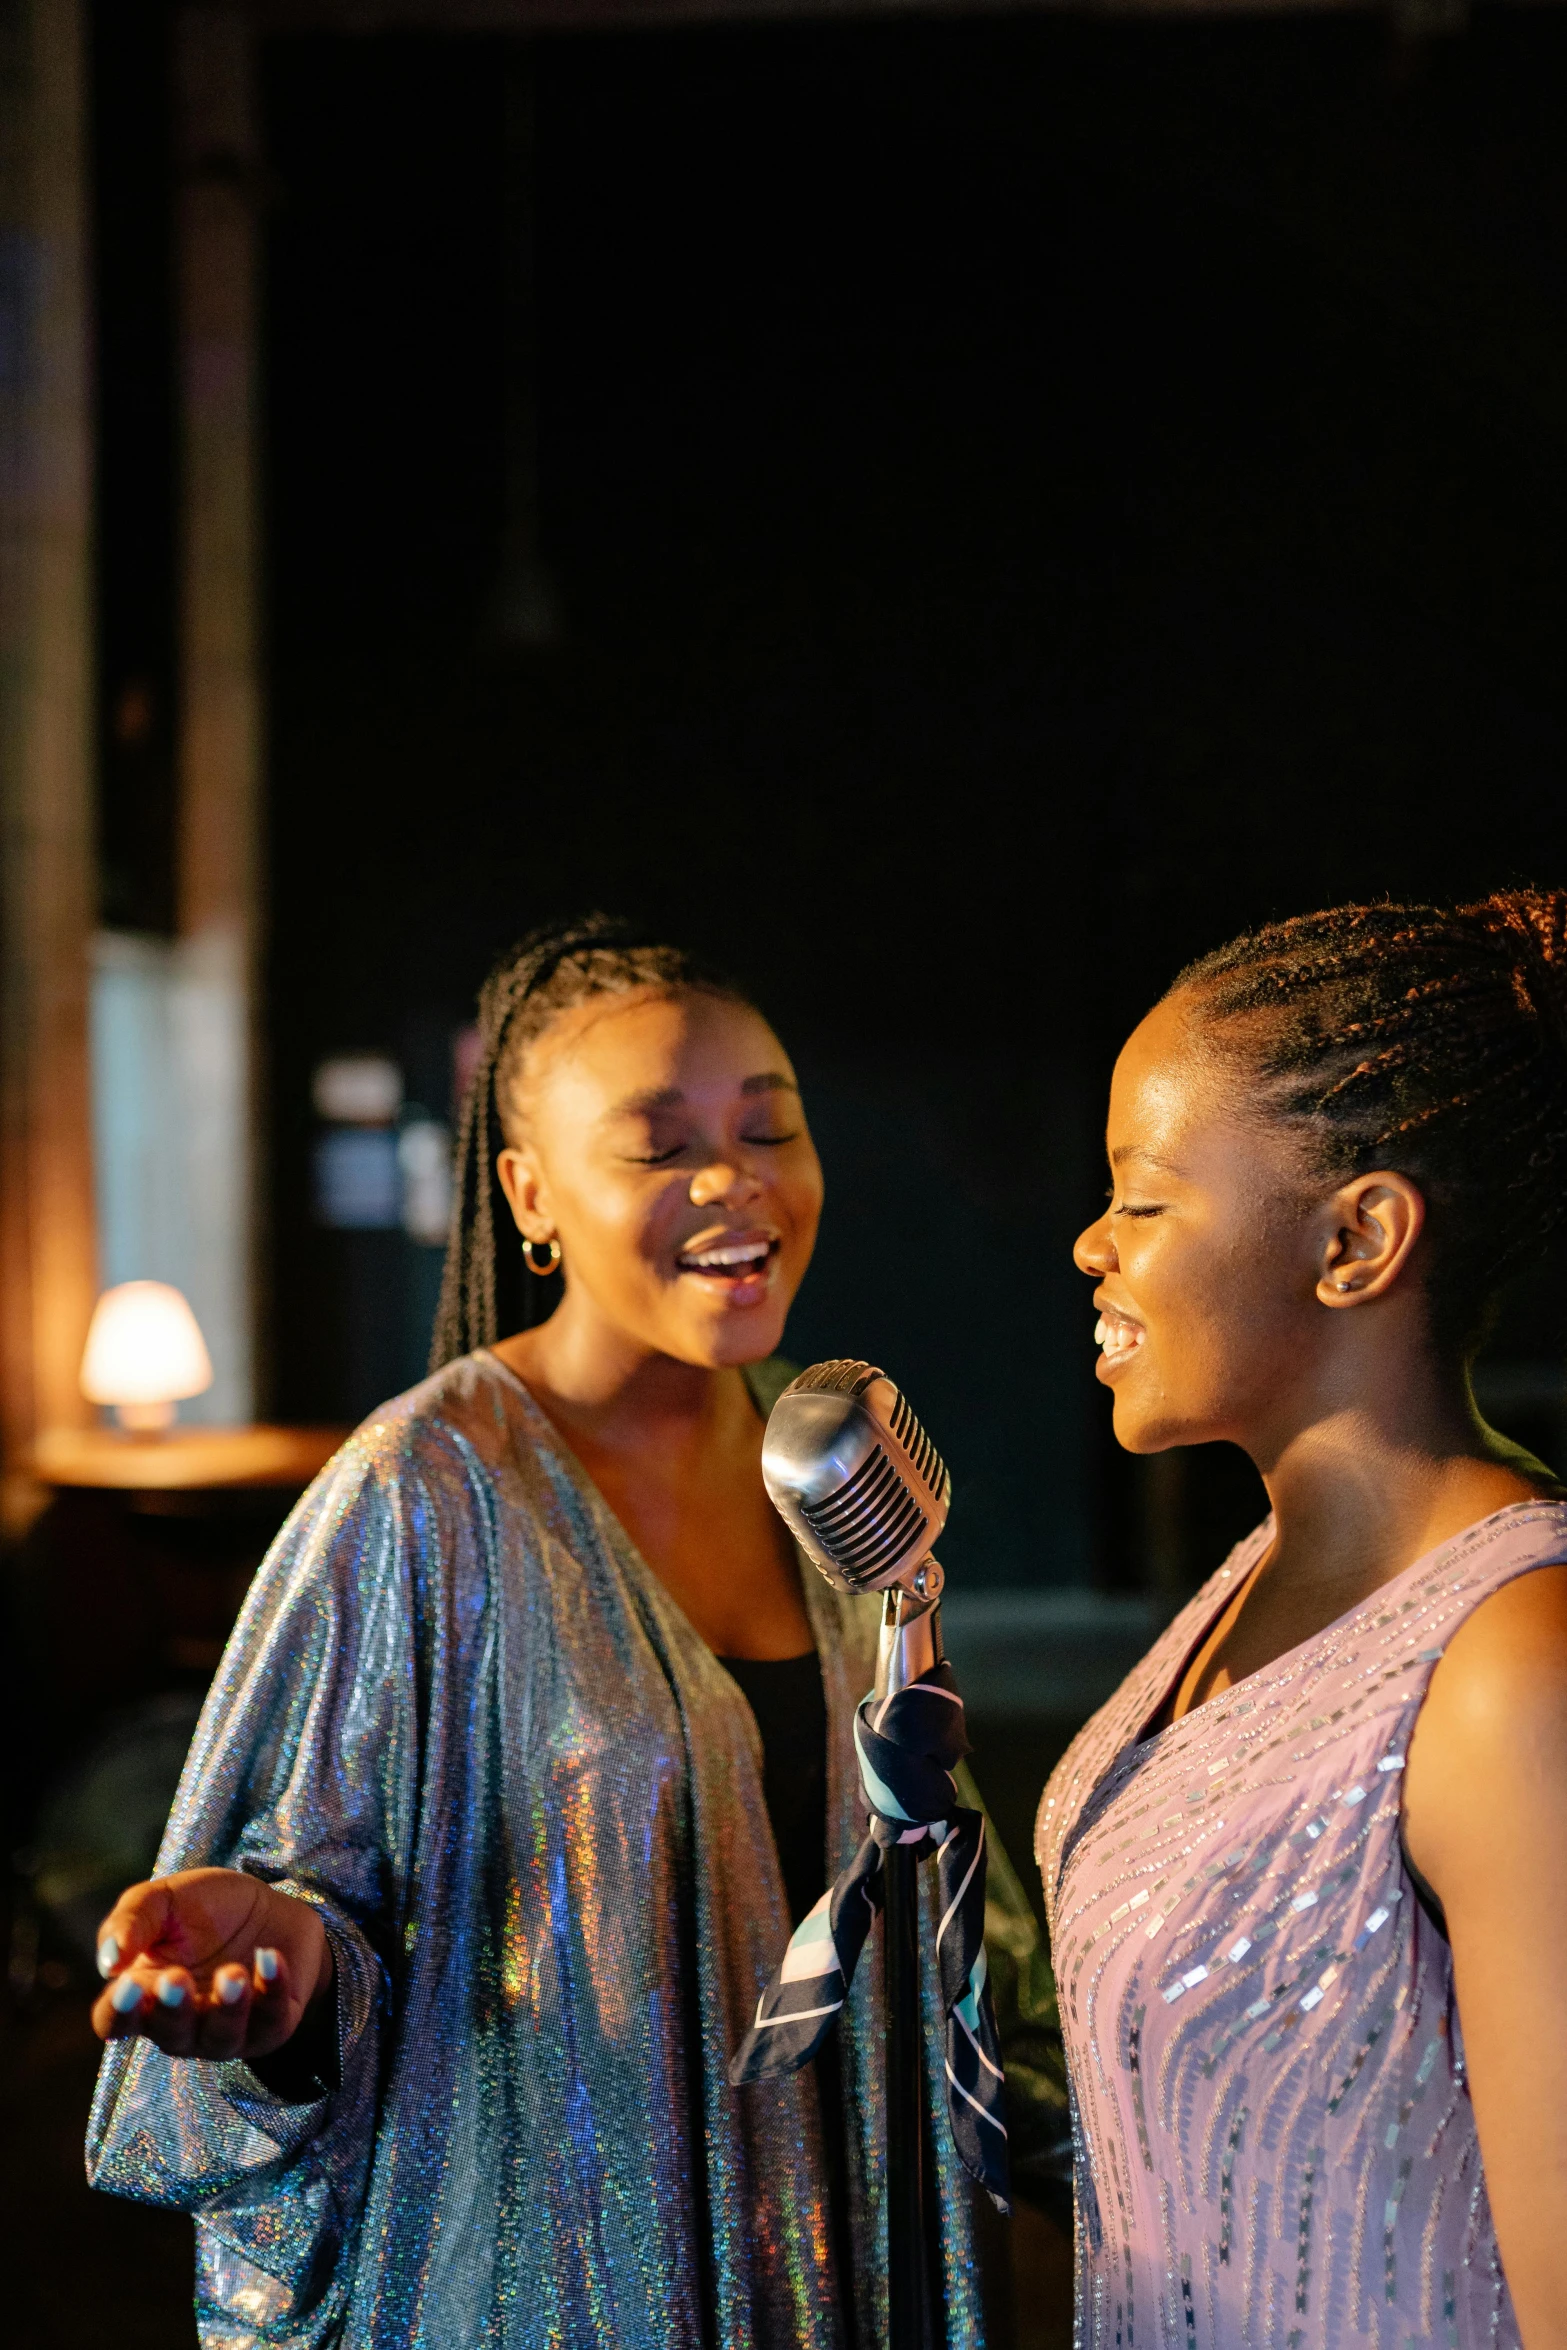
[{"x": 462, "y": 1717}]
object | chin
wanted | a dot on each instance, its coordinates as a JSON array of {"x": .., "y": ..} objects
[
  {"x": 727, "y": 1341},
  {"x": 752, "y": 1341},
  {"x": 1133, "y": 1437},
  {"x": 1146, "y": 1432}
]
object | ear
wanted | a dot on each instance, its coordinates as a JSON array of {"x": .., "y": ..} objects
[
  {"x": 527, "y": 1192},
  {"x": 1376, "y": 1221}
]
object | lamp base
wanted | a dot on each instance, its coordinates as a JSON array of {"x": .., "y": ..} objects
[{"x": 145, "y": 1419}]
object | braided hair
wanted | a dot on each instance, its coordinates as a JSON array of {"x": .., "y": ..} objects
[
  {"x": 485, "y": 1292},
  {"x": 1430, "y": 1040}
]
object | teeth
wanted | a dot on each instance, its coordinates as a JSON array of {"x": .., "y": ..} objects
[
  {"x": 1117, "y": 1336},
  {"x": 744, "y": 1253}
]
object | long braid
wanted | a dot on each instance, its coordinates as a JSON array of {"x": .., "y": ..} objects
[
  {"x": 484, "y": 1289},
  {"x": 1425, "y": 1038}
]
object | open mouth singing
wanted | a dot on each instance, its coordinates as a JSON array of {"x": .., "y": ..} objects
[
  {"x": 737, "y": 1262},
  {"x": 1118, "y": 1337}
]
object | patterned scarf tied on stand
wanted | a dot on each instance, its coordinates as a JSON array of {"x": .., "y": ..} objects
[{"x": 907, "y": 1744}]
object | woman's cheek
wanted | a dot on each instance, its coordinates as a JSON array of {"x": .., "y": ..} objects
[{"x": 806, "y": 1202}]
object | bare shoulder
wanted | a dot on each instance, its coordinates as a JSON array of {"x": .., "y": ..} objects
[
  {"x": 1512, "y": 1650},
  {"x": 1492, "y": 1733}
]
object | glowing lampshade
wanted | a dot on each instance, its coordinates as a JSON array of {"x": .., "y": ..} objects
[{"x": 144, "y": 1351}]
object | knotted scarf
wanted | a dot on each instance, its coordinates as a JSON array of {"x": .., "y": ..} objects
[{"x": 907, "y": 1744}]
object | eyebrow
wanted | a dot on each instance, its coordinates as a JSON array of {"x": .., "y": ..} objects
[
  {"x": 1131, "y": 1150},
  {"x": 670, "y": 1097}
]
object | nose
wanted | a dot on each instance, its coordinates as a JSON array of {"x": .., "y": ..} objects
[
  {"x": 724, "y": 1186},
  {"x": 1093, "y": 1251}
]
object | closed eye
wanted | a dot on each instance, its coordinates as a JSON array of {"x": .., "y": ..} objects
[
  {"x": 1127, "y": 1210},
  {"x": 678, "y": 1150}
]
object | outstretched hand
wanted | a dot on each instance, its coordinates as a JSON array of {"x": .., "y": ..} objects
[{"x": 210, "y": 1962}]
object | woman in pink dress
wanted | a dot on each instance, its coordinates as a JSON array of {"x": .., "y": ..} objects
[{"x": 1307, "y": 1870}]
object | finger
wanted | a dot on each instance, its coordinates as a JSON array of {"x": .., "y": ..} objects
[
  {"x": 143, "y": 1999},
  {"x": 223, "y": 2019},
  {"x": 270, "y": 1984},
  {"x": 131, "y": 1927},
  {"x": 169, "y": 2018},
  {"x": 274, "y": 2003},
  {"x": 117, "y": 2013}
]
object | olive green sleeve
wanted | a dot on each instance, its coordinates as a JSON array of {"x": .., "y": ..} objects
[{"x": 1039, "y": 2122}]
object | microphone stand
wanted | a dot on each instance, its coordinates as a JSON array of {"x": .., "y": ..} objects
[{"x": 910, "y": 1646}]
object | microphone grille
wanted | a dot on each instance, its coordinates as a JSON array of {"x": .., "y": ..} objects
[
  {"x": 872, "y": 1519},
  {"x": 840, "y": 1377},
  {"x": 926, "y": 1460},
  {"x": 863, "y": 1487}
]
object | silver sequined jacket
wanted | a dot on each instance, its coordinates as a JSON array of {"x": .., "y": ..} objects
[{"x": 462, "y": 1717}]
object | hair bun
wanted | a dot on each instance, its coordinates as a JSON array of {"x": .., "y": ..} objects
[{"x": 1532, "y": 924}]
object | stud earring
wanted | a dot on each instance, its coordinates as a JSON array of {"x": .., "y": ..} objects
[{"x": 1343, "y": 1285}]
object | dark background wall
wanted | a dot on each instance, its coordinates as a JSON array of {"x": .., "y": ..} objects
[{"x": 1025, "y": 498}]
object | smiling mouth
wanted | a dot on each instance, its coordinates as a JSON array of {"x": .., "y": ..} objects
[
  {"x": 1118, "y": 1337},
  {"x": 737, "y": 1258}
]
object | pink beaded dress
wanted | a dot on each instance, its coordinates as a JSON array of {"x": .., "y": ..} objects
[{"x": 1275, "y": 2147}]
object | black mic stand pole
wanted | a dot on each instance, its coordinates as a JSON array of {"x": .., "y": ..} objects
[{"x": 910, "y": 1645}]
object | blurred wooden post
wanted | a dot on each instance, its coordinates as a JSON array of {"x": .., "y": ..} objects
[
  {"x": 219, "y": 889},
  {"x": 47, "y": 873}
]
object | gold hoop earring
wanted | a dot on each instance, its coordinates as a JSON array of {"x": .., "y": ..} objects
[{"x": 545, "y": 1270}]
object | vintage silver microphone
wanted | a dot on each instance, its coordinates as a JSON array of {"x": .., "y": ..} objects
[{"x": 865, "y": 1493}]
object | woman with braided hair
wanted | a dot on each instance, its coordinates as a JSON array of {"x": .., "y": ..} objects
[
  {"x": 530, "y": 1742},
  {"x": 1307, "y": 1870}
]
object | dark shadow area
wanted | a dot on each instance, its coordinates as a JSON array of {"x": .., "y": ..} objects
[
  {"x": 1021, "y": 498},
  {"x": 114, "y": 2267}
]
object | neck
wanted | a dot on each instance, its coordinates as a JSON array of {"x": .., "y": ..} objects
[
  {"x": 608, "y": 1384},
  {"x": 1384, "y": 1471}
]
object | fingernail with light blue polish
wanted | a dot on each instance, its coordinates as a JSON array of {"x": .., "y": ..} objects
[
  {"x": 266, "y": 1965},
  {"x": 108, "y": 1956},
  {"x": 231, "y": 1990},
  {"x": 171, "y": 1993},
  {"x": 126, "y": 1995}
]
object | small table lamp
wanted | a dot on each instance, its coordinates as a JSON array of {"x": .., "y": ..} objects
[{"x": 144, "y": 1354}]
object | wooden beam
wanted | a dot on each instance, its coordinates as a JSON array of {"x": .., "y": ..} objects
[{"x": 47, "y": 873}]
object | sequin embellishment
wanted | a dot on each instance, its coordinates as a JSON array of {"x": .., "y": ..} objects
[{"x": 1284, "y": 2155}]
